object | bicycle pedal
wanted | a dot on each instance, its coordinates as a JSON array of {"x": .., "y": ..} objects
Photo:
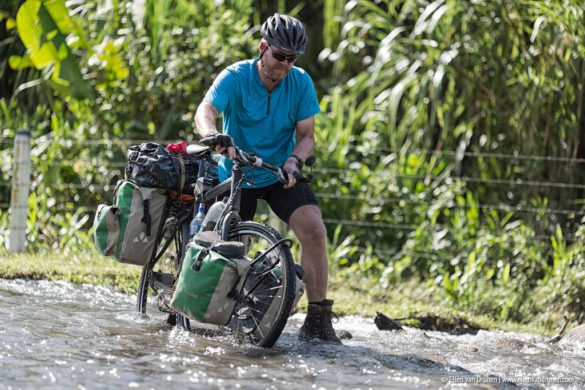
[
  {"x": 163, "y": 304},
  {"x": 162, "y": 281}
]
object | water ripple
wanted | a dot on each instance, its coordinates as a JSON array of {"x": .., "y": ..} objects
[{"x": 60, "y": 335}]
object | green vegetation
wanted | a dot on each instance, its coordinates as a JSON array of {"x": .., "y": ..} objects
[
  {"x": 353, "y": 296},
  {"x": 80, "y": 268},
  {"x": 450, "y": 145}
]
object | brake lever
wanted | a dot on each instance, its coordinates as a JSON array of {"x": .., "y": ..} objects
[
  {"x": 281, "y": 175},
  {"x": 306, "y": 179}
]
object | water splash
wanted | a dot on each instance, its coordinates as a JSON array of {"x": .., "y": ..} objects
[{"x": 68, "y": 336}]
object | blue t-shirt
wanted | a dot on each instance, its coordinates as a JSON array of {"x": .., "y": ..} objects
[{"x": 259, "y": 121}]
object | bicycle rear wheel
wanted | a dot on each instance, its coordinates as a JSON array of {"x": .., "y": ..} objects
[
  {"x": 159, "y": 275},
  {"x": 267, "y": 296}
]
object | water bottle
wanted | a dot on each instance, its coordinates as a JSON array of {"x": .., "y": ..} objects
[
  {"x": 213, "y": 215},
  {"x": 195, "y": 225}
]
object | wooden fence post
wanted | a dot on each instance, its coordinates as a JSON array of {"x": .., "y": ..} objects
[{"x": 20, "y": 191}]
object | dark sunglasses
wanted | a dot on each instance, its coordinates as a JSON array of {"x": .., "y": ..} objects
[{"x": 281, "y": 57}]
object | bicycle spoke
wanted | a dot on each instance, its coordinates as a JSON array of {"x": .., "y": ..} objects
[
  {"x": 268, "y": 287},
  {"x": 258, "y": 328}
]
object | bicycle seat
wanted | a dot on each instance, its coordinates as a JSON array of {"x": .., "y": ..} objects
[{"x": 196, "y": 149}]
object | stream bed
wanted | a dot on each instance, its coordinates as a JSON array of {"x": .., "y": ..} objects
[{"x": 59, "y": 335}]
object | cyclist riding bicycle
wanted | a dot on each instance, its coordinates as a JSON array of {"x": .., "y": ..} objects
[{"x": 269, "y": 107}]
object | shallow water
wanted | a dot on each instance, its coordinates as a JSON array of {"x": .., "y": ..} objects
[{"x": 62, "y": 336}]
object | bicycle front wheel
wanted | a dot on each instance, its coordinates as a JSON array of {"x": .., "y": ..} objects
[{"x": 266, "y": 298}]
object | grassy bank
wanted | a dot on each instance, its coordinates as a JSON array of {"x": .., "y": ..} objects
[
  {"x": 80, "y": 268},
  {"x": 353, "y": 295}
]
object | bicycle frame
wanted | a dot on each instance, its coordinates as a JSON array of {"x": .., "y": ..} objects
[
  {"x": 264, "y": 240},
  {"x": 234, "y": 186}
]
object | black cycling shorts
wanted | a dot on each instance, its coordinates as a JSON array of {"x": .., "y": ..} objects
[{"x": 282, "y": 201}]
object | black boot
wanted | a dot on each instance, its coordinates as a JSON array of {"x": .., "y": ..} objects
[{"x": 318, "y": 323}]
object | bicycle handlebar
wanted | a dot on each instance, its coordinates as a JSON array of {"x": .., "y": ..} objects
[{"x": 249, "y": 159}]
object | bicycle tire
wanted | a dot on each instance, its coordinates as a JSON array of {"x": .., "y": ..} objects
[
  {"x": 260, "y": 237},
  {"x": 259, "y": 316},
  {"x": 158, "y": 275}
]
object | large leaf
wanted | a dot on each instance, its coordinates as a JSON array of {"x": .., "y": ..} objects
[
  {"x": 40, "y": 32},
  {"x": 42, "y": 52}
]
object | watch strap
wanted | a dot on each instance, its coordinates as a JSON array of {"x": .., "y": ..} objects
[{"x": 300, "y": 161}]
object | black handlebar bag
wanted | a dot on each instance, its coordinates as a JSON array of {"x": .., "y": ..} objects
[{"x": 151, "y": 165}]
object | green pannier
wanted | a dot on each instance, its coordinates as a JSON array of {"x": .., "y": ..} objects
[
  {"x": 128, "y": 230},
  {"x": 208, "y": 284}
]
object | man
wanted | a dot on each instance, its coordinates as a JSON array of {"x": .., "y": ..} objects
[{"x": 269, "y": 107}]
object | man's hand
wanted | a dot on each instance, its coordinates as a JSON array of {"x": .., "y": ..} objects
[
  {"x": 225, "y": 145},
  {"x": 291, "y": 167}
]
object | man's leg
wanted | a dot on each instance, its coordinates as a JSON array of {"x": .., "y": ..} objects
[
  {"x": 298, "y": 206},
  {"x": 308, "y": 226}
]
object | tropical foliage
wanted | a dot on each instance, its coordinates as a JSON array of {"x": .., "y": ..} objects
[{"x": 450, "y": 144}]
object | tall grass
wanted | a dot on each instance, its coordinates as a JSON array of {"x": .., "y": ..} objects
[
  {"x": 451, "y": 76},
  {"x": 409, "y": 88}
]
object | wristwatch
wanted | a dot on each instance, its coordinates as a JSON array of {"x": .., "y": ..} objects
[{"x": 299, "y": 160}]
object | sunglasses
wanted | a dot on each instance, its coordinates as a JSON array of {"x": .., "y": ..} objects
[{"x": 281, "y": 57}]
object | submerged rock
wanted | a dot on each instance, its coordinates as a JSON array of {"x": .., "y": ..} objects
[
  {"x": 385, "y": 323},
  {"x": 343, "y": 334},
  {"x": 455, "y": 325},
  {"x": 514, "y": 344},
  {"x": 575, "y": 337}
]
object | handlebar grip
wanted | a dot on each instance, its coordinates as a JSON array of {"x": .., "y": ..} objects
[
  {"x": 310, "y": 160},
  {"x": 222, "y": 140},
  {"x": 208, "y": 141},
  {"x": 298, "y": 177}
]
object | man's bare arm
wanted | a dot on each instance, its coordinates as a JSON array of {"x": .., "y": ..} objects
[
  {"x": 305, "y": 137},
  {"x": 205, "y": 119}
]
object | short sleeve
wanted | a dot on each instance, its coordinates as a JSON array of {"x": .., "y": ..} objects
[
  {"x": 222, "y": 90},
  {"x": 308, "y": 104}
]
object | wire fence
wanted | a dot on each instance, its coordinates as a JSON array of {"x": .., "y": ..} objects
[
  {"x": 485, "y": 180},
  {"x": 390, "y": 201},
  {"x": 94, "y": 187},
  {"x": 506, "y": 208},
  {"x": 344, "y": 172},
  {"x": 119, "y": 147},
  {"x": 511, "y": 157},
  {"x": 443, "y": 153}
]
